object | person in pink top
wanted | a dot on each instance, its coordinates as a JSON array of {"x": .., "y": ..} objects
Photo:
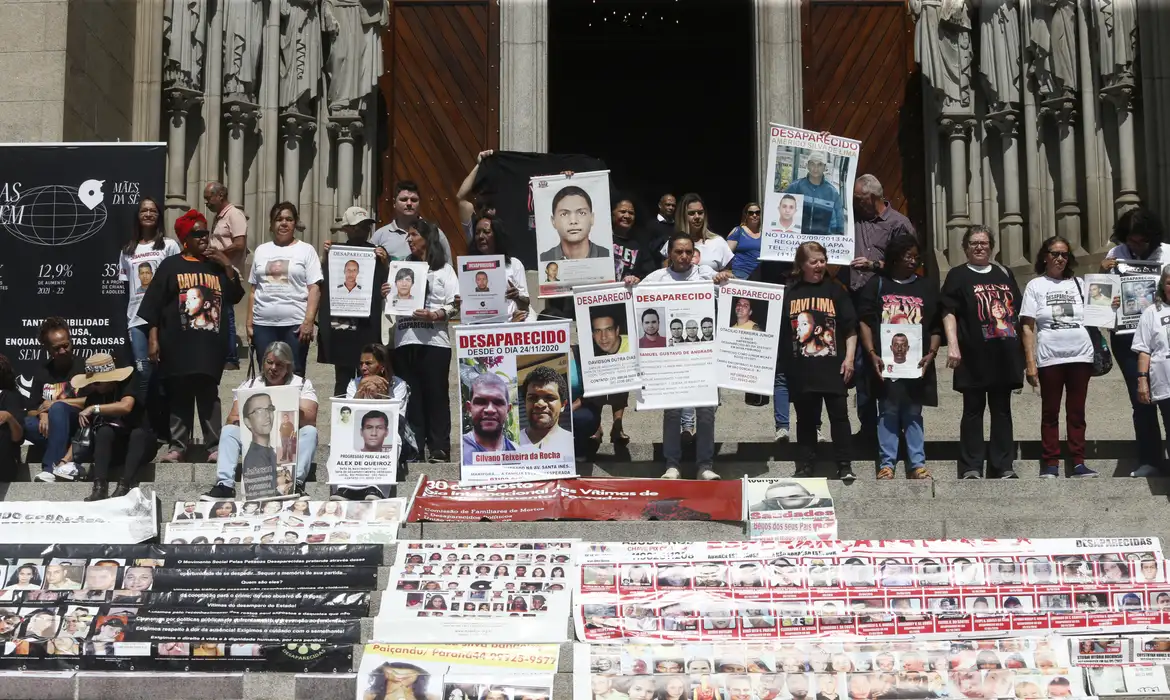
[{"x": 229, "y": 233}]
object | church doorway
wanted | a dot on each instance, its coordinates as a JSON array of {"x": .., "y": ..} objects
[{"x": 664, "y": 92}]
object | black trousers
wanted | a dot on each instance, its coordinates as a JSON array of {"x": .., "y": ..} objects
[
  {"x": 808, "y": 415},
  {"x": 185, "y": 394},
  {"x": 972, "y": 450},
  {"x": 9, "y": 453},
  {"x": 426, "y": 370},
  {"x": 341, "y": 379},
  {"x": 138, "y": 444}
]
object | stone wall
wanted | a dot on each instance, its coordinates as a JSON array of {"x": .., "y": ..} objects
[{"x": 32, "y": 70}]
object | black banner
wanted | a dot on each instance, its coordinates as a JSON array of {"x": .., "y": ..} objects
[
  {"x": 65, "y": 213},
  {"x": 362, "y": 578},
  {"x": 281, "y": 600},
  {"x": 201, "y": 554}
]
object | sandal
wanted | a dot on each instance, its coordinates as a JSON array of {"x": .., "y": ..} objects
[
  {"x": 885, "y": 474},
  {"x": 919, "y": 473}
]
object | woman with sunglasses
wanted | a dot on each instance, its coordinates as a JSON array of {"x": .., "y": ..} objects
[
  {"x": 744, "y": 241},
  {"x": 1058, "y": 352}
]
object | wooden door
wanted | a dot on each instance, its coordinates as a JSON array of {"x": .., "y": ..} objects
[
  {"x": 442, "y": 93},
  {"x": 860, "y": 81}
]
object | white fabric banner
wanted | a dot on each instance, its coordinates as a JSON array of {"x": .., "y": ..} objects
[
  {"x": 678, "y": 375},
  {"x": 750, "y": 314},
  {"x": 609, "y": 363},
  {"x": 127, "y": 519},
  {"x": 363, "y": 444},
  {"x": 351, "y": 281}
]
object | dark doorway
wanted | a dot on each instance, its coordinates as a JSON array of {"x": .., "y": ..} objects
[{"x": 664, "y": 92}]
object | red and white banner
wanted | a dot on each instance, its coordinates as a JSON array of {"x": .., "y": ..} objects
[{"x": 789, "y": 509}]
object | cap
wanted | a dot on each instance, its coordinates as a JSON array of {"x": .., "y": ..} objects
[
  {"x": 356, "y": 215},
  {"x": 818, "y": 156},
  {"x": 100, "y": 368}
]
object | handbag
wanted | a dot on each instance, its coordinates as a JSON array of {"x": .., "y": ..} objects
[
  {"x": 83, "y": 445},
  {"x": 1102, "y": 359}
]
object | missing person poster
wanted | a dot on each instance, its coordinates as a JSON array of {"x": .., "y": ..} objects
[
  {"x": 609, "y": 363},
  {"x": 363, "y": 444},
  {"x": 1138, "y": 280},
  {"x": 351, "y": 281},
  {"x": 514, "y": 391},
  {"x": 808, "y": 194},
  {"x": 678, "y": 374},
  {"x": 123, "y": 520},
  {"x": 269, "y": 418},
  {"x": 457, "y": 671},
  {"x": 285, "y": 522},
  {"x": 574, "y": 235},
  {"x": 750, "y": 314},
  {"x": 483, "y": 282},
  {"x": 793, "y": 509},
  {"x": 901, "y": 350},
  {"x": 408, "y": 287},
  {"x": 1099, "y": 291}
]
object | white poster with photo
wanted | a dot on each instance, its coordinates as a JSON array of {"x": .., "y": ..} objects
[
  {"x": 127, "y": 519},
  {"x": 269, "y": 420},
  {"x": 1099, "y": 291},
  {"x": 901, "y": 350},
  {"x": 678, "y": 375},
  {"x": 363, "y": 444},
  {"x": 408, "y": 287},
  {"x": 286, "y": 522},
  {"x": 789, "y": 509},
  {"x": 574, "y": 233},
  {"x": 483, "y": 282},
  {"x": 457, "y": 671},
  {"x": 609, "y": 362},
  {"x": 808, "y": 194},
  {"x": 1138, "y": 282},
  {"x": 750, "y": 314},
  {"x": 515, "y": 404},
  {"x": 351, "y": 281},
  {"x": 1151, "y": 649}
]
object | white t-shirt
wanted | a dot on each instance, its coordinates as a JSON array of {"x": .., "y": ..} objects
[
  {"x": 1122, "y": 252},
  {"x": 697, "y": 273},
  {"x": 520, "y": 280},
  {"x": 308, "y": 393},
  {"x": 442, "y": 288},
  {"x": 281, "y": 276},
  {"x": 1150, "y": 338},
  {"x": 131, "y": 270},
  {"x": 1059, "y": 312},
  {"x": 710, "y": 252}
]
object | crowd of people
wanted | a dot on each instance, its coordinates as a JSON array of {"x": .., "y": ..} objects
[{"x": 182, "y": 294}]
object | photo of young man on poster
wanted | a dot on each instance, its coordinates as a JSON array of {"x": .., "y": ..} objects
[{"x": 572, "y": 217}]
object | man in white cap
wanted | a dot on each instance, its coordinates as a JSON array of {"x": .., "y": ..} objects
[{"x": 824, "y": 212}]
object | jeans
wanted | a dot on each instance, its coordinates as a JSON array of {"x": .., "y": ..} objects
[
  {"x": 781, "y": 402},
  {"x": 230, "y": 447},
  {"x": 866, "y": 404},
  {"x": 62, "y": 426},
  {"x": 138, "y": 444},
  {"x": 140, "y": 344},
  {"x": 263, "y": 336},
  {"x": 687, "y": 422},
  {"x": 1145, "y": 416},
  {"x": 704, "y": 435},
  {"x": 972, "y": 450},
  {"x": 1053, "y": 381},
  {"x": 233, "y": 349},
  {"x": 900, "y": 412}
]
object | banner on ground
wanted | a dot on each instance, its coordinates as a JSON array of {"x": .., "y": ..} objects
[
  {"x": 678, "y": 375},
  {"x": 1098, "y": 291},
  {"x": 408, "y": 287},
  {"x": 808, "y": 194},
  {"x": 514, "y": 390},
  {"x": 441, "y": 501},
  {"x": 483, "y": 282},
  {"x": 285, "y": 522},
  {"x": 1141, "y": 681},
  {"x": 457, "y": 671},
  {"x": 1138, "y": 283},
  {"x": 269, "y": 419},
  {"x": 750, "y": 314},
  {"x": 609, "y": 361},
  {"x": 363, "y": 444},
  {"x": 64, "y": 213},
  {"x": 124, "y": 520},
  {"x": 509, "y": 591},
  {"x": 574, "y": 234},
  {"x": 791, "y": 509},
  {"x": 351, "y": 276}
]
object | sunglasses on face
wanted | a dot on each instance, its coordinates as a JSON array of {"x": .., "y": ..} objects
[
  {"x": 1058, "y": 254},
  {"x": 754, "y": 212}
]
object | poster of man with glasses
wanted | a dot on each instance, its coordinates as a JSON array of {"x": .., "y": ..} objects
[{"x": 269, "y": 419}]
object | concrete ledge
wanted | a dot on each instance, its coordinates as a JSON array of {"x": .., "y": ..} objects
[
  {"x": 155, "y": 686},
  {"x": 321, "y": 686},
  {"x": 269, "y": 685},
  {"x": 37, "y": 685}
]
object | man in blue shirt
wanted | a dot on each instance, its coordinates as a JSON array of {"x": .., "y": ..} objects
[{"x": 824, "y": 211}]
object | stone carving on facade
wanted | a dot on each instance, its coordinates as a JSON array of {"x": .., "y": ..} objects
[
  {"x": 999, "y": 53},
  {"x": 243, "y": 41},
  {"x": 1053, "y": 48},
  {"x": 300, "y": 54},
  {"x": 942, "y": 47},
  {"x": 354, "y": 32},
  {"x": 1115, "y": 22},
  {"x": 185, "y": 34}
]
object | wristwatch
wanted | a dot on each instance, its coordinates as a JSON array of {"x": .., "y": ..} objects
[{"x": 1143, "y": 374}]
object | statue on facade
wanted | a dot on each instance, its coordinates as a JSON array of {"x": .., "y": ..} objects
[
  {"x": 243, "y": 40},
  {"x": 355, "y": 49},
  {"x": 1053, "y": 49},
  {"x": 942, "y": 47},
  {"x": 185, "y": 34},
  {"x": 1116, "y": 25},
  {"x": 999, "y": 54},
  {"x": 300, "y": 54}
]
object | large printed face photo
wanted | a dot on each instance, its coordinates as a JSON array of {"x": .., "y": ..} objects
[
  {"x": 372, "y": 431},
  {"x": 609, "y": 329},
  {"x": 748, "y": 314},
  {"x": 572, "y": 218}
]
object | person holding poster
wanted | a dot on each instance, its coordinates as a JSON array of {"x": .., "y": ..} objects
[
  {"x": 818, "y": 339},
  {"x": 631, "y": 258},
  {"x": 711, "y": 250},
  {"x": 277, "y": 370},
  {"x": 1058, "y": 354},
  {"x": 490, "y": 238},
  {"x": 897, "y": 298},
  {"x": 1151, "y": 343},
  {"x": 573, "y": 238},
  {"x": 422, "y": 352}
]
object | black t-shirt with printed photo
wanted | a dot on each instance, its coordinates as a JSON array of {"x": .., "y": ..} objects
[
  {"x": 884, "y": 301},
  {"x": 986, "y": 306},
  {"x": 51, "y": 383},
  {"x": 185, "y": 301},
  {"x": 819, "y": 317}
]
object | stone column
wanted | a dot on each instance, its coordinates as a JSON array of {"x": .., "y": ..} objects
[
  {"x": 295, "y": 127},
  {"x": 179, "y": 103},
  {"x": 1121, "y": 95},
  {"x": 210, "y": 162},
  {"x": 523, "y": 75},
  {"x": 241, "y": 118},
  {"x": 347, "y": 128},
  {"x": 1011, "y": 220},
  {"x": 957, "y": 129},
  {"x": 148, "y": 70},
  {"x": 779, "y": 69},
  {"x": 1068, "y": 212},
  {"x": 269, "y": 109}
]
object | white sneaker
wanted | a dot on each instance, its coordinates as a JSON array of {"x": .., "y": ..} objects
[
  {"x": 671, "y": 473},
  {"x": 67, "y": 471},
  {"x": 45, "y": 476},
  {"x": 782, "y": 435},
  {"x": 821, "y": 436},
  {"x": 708, "y": 475}
]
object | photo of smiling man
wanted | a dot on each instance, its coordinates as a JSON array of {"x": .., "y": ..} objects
[
  {"x": 573, "y": 230},
  {"x": 546, "y": 396}
]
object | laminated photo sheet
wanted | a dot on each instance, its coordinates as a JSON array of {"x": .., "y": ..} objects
[
  {"x": 285, "y": 522},
  {"x": 678, "y": 375},
  {"x": 457, "y": 671},
  {"x": 747, "y": 335},
  {"x": 609, "y": 361}
]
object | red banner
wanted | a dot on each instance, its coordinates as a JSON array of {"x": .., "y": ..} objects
[{"x": 443, "y": 501}]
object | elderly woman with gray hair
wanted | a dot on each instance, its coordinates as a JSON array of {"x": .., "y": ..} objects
[{"x": 277, "y": 370}]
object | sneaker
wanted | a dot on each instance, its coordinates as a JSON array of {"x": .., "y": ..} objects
[
  {"x": 803, "y": 471},
  {"x": 1146, "y": 471},
  {"x": 439, "y": 457},
  {"x": 337, "y": 495},
  {"x": 708, "y": 474},
  {"x": 67, "y": 471},
  {"x": 1049, "y": 472},
  {"x": 971, "y": 474},
  {"x": 219, "y": 492},
  {"x": 299, "y": 490},
  {"x": 670, "y": 473},
  {"x": 45, "y": 476},
  {"x": 782, "y": 435},
  {"x": 845, "y": 473},
  {"x": 346, "y": 494},
  {"x": 1008, "y": 474},
  {"x": 821, "y": 436},
  {"x": 371, "y": 493},
  {"x": 1082, "y": 472}
]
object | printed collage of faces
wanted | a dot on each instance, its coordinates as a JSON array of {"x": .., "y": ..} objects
[{"x": 284, "y": 522}]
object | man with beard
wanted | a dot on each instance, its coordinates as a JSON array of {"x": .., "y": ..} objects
[
  {"x": 488, "y": 408},
  {"x": 707, "y": 326},
  {"x": 53, "y": 405},
  {"x": 676, "y": 332},
  {"x": 651, "y": 338},
  {"x": 546, "y": 393}
]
